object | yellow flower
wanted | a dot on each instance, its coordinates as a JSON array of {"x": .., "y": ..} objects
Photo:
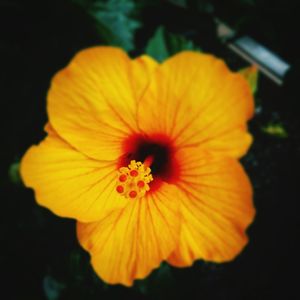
[{"x": 144, "y": 156}]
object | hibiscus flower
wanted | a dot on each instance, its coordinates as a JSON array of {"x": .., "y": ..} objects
[{"x": 145, "y": 157}]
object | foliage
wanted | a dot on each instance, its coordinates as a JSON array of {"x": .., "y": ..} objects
[
  {"x": 114, "y": 20},
  {"x": 251, "y": 75},
  {"x": 164, "y": 44},
  {"x": 275, "y": 129},
  {"x": 14, "y": 173}
]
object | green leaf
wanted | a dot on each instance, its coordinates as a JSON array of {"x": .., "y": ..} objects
[
  {"x": 52, "y": 288},
  {"x": 182, "y": 3},
  {"x": 251, "y": 75},
  {"x": 14, "y": 173},
  {"x": 275, "y": 129},
  {"x": 114, "y": 20},
  {"x": 164, "y": 44},
  {"x": 84, "y": 3},
  {"x": 159, "y": 285}
]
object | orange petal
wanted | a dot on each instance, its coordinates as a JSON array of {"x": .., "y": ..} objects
[
  {"x": 203, "y": 104},
  {"x": 92, "y": 102},
  {"x": 68, "y": 182},
  {"x": 129, "y": 243},
  {"x": 217, "y": 208}
]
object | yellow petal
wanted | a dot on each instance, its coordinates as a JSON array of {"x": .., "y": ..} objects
[
  {"x": 143, "y": 68},
  {"x": 195, "y": 99},
  {"x": 92, "y": 102},
  {"x": 129, "y": 243},
  {"x": 69, "y": 183},
  {"x": 217, "y": 209}
]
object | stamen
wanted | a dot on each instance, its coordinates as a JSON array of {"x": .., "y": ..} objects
[
  {"x": 133, "y": 181},
  {"x": 148, "y": 161}
]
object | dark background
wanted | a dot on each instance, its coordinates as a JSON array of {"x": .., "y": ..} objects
[{"x": 40, "y": 257}]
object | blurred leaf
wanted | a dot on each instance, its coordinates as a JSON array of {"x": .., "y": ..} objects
[
  {"x": 114, "y": 20},
  {"x": 275, "y": 129},
  {"x": 14, "y": 173},
  {"x": 159, "y": 285},
  {"x": 182, "y": 3},
  {"x": 251, "y": 75},
  {"x": 249, "y": 2},
  {"x": 52, "y": 288},
  {"x": 84, "y": 3},
  {"x": 164, "y": 44},
  {"x": 205, "y": 6},
  {"x": 258, "y": 105},
  {"x": 77, "y": 265}
]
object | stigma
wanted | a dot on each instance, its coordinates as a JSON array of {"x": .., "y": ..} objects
[{"x": 133, "y": 181}]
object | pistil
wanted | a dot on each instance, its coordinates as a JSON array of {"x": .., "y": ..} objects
[{"x": 133, "y": 180}]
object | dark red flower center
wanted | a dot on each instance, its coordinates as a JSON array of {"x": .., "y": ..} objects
[{"x": 156, "y": 148}]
